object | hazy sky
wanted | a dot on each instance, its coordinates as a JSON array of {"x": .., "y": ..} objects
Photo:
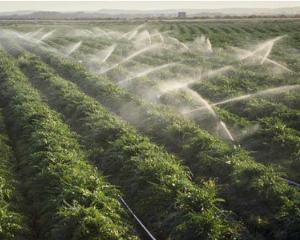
[{"x": 6, "y": 6}]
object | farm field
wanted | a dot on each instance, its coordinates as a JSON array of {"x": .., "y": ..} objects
[{"x": 150, "y": 130}]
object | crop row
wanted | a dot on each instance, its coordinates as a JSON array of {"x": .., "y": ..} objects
[
  {"x": 272, "y": 146},
  {"x": 253, "y": 109},
  {"x": 66, "y": 197},
  {"x": 271, "y": 141},
  {"x": 222, "y": 33},
  {"x": 278, "y": 140},
  {"x": 157, "y": 186},
  {"x": 12, "y": 222},
  {"x": 218, "y": 88},
  {"x": 246, "y": 185}
]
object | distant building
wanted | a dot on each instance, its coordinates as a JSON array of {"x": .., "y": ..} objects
[{"x": 181, "y": 14}]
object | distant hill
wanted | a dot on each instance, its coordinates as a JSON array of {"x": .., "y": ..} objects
[{"x": 113, "y": 13}]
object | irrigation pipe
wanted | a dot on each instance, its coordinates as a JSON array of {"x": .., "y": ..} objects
[
  {"x": 138, "y": 220},
  {"x": 292, "y": 182}
]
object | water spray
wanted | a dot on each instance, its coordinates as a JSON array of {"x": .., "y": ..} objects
[
  {"x": 71, "y": 49},
  {"x": 159, "y": 35},
  {"x": 103, "y": 32},
  {"x": 133, "y": 55},
  {"x": 34, "y": 34},
  {"x": 207, "y": 106},
  {"x": 46, "y": 35},
  {"x": 269, "y": 91},
  {"x": 179, "y": 43},
  {"x": 131, "y": 34},
  {"x": 108, "y": 51},
  {"x": 218, "y": 71},
  {"x": 172, "y": 86},
  {"x": 267, "y": 44},
  {"x": 142, "y": 74},
  {"x": 266, "y": 55},
  {"x": 265, "y": 59},
  {"x": 208, "y": 44}
]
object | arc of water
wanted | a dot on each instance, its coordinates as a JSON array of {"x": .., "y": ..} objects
[
  {"x": 149, "y": 37},
  {"x": 278, "y": 65},
  {"x": 107, "y": 34},
  {"x": 171, "y": 86},
  {"x": 140, "y": 52},
  {"x": 275, "y": 90},
  {"x": 47, "y": 46},
  {"x": 208, "y": 44},
  {"x": 131, "y": 34},
  {"x": 265, "y": 60},
  {"x": 235, "y": 99},
  {"x": 240, "y": 50},
  {"x": 88, "y": 32},
  {"x": 46, "y": 35},
  {"x": 202, "y": 39},
  {"x": 269, "y": 49},
  {"x": 228, "y": 133},
  {"x": 269, "y": 43},
  {"x": 179, "y": 42},
  {"x": 125, "y": 35},
  {"x": 144, "y": 36},
  {"x": 114, "y": 34},
  {"x": 142, "y": 74},
  {"x": 73, "y": 48},
  {"x": 166, "y": 87},
  {"x": 104, "y": 32},
  {"x": 161, "y": 38},
  {"x": 251, "y": 54},
  {"x": 18, "y": 35},
  {"x": 159, "y": 35},
  {"x": 212, "y": 112},
  {"x": 155, "y": 33},
  {"x": 30, "y": 40},
  {"x": 203, "y": 102},
  {"x": 217, "y": 71},
  {"x": 33, "y": 34},
  {"x": 109, "y": 51},
  {"x": 131, "y": 56}
]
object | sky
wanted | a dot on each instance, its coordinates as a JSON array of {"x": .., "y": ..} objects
[{"x": 68, "y": 6}]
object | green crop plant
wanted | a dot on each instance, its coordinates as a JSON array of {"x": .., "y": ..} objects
[{"x": 67, "y": 198}]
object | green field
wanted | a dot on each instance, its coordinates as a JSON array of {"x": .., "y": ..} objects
[{"x": 194, "y": 125}]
